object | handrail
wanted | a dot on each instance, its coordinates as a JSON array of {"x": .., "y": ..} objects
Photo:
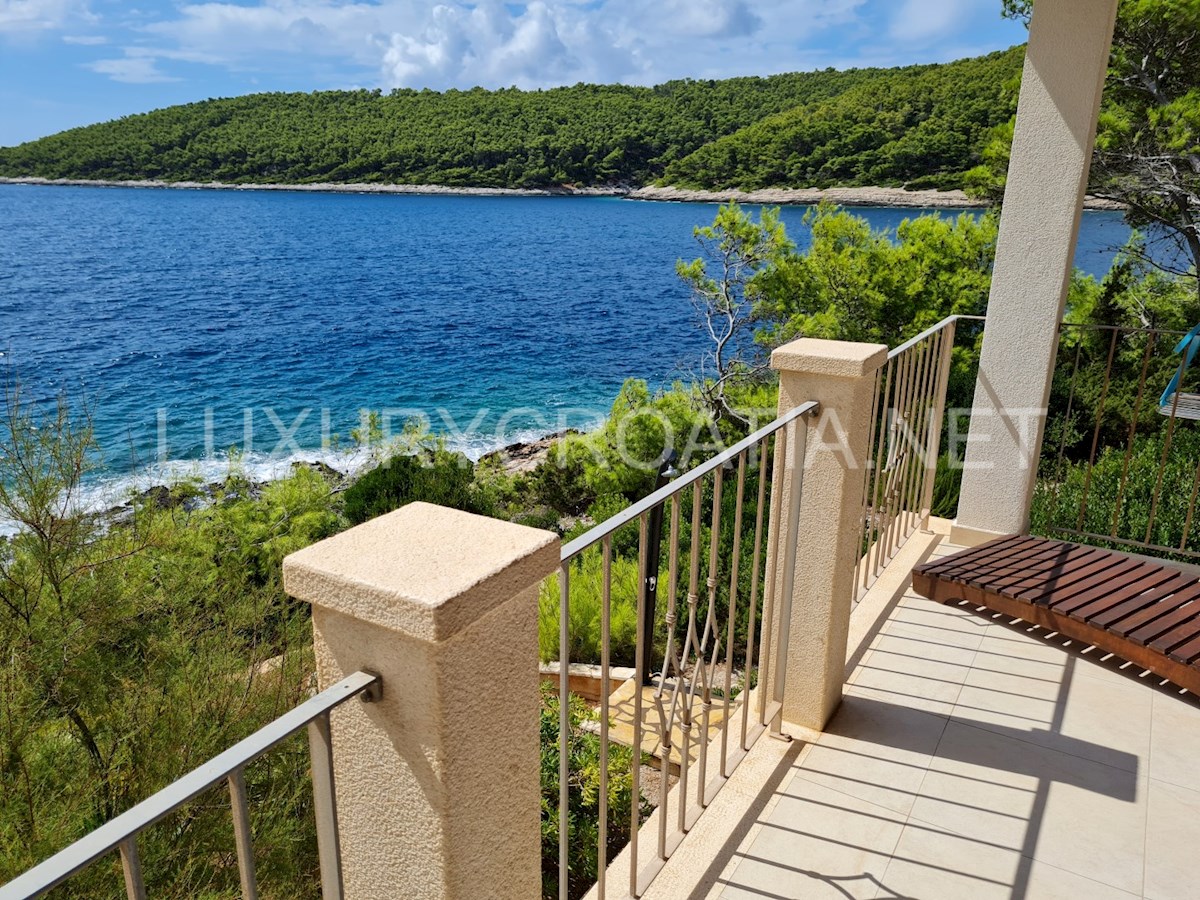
[
  {"x": 608, "y": 526},
  {"x": 930, "y": 331},
  {"x": 123, "y": 830}
]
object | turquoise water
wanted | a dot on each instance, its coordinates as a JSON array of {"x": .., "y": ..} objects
[{"x": 193, "y": 321}]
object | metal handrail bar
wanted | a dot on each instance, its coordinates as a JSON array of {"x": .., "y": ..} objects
[
  {"x": 609, "y": 526},
  {"x": 121, "y": 831},
  {"x": 1129, "y": 329},
  {"x": 930, "y": 331}
]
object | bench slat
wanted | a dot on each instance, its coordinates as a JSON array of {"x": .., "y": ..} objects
[{"x": 1143, "y": 611}]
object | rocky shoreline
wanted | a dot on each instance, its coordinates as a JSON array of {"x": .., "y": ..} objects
[
  {"x": 853, "y": 196},
  {"x": 900, "y": 198}
]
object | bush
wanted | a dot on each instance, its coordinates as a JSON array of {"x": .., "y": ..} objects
[
  {"x": 1114, "y": 496},
  {"x": 432, "y": 476},
  {"x": 583, "y": 806}
]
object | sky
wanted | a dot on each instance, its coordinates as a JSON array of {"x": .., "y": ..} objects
[{"x": 73, "y": 62}]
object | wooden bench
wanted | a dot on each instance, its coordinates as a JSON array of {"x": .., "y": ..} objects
[{"x": 1145, "y": 612}]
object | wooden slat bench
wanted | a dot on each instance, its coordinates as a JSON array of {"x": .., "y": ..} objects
[{"x": 1145, "y": 612}]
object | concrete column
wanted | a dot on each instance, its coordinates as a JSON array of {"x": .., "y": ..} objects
[
  {"x": 438, "y": 792},
  {"x": 1059, "y": 104},
  {"x": 841, "y": 377}
]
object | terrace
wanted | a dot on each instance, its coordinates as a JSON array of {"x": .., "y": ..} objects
[
  {"x": 971, "y": 756},
  {"x": 810, "y": 726}
]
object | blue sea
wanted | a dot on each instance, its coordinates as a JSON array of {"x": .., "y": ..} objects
[{"x": 192, "y": 322}]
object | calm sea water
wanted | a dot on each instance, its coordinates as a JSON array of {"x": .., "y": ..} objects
[{"x": 195, "y": 321}]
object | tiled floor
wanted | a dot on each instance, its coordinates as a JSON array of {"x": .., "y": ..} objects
[{"x": 977, "y": 759}]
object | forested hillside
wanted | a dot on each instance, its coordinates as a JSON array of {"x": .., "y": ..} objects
[
  {"x": 794, "y": 130},
  {"x": 920, "y": 125}
]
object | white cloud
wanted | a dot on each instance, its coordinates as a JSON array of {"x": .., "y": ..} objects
[
  {"x": 85, "y": 40},
  {"x": 131, "y": 70},
  {"x": 528, "y": 43},
  {"x": 39, "y": 15}
]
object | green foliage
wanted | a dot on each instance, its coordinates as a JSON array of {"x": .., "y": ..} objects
[
  {"x": 623, "y": 455},
  {"x": 433, "y": 476},
  {"x": 133, "y": 652},
  {"x": 583, "y": 807},
  {"x": 1132, "y": 297},
  {"x": 585, "y": 611},
  {"x": 1122, "y": 490},
  {"x": 857, "y": 284},
  {"x": 1147, "y": 153},
  {"x": 919, "y": 122},
  {"x": 739, "y": 257},
  {"x": 893, "y": 125}
]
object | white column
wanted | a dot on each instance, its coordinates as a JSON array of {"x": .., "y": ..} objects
[
  {"x": 839, "y": 375},
  {"x": 1065, "y": 66},
  {"x": 438, "y": 786}
]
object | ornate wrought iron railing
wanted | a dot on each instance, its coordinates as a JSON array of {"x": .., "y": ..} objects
[{"x": 703, "y": 689}]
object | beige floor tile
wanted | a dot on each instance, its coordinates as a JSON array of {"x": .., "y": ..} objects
[
  {"x": 1071, "y": 813},
  {"x": 1071, "y": 714},
  {"x": 1172, "y": 839},
  {"x": 932, "y": 863},
  {"x": 818, "y": 843},
  {"x": 904, "y": 669},
  {"x": 937, "y": 628},
  {"x": 875, "y": 751},
  {"x": 1175, "y": 740}
]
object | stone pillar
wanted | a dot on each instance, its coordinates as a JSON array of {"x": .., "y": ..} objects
[
  {"x": 841, "y": 377},
  {"x": 1059, "y": 104},
  {"x": 438, "y": 792}
]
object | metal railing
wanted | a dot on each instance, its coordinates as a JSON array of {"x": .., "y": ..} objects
[
  {"x": 1120, "y": 459},
  {"x": 122, "y": 832},
  {"x": 710, "y": 694},
  {"x": 907, "y": 418}
]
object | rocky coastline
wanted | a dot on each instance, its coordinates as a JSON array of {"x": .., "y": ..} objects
[{"x": 852, "y": 196}]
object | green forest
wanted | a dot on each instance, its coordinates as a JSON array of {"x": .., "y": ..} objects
[{"x": 923, "y": 125}]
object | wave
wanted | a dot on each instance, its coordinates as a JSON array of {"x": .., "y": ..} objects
[{"x": 107, "y": 491}]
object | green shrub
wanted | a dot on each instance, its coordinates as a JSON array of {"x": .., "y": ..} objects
[
  {"x": 585, "y": 607},
  {"x": 432, "y": 476},
  {"x": 1113, "y": 496},
  {"x": 583, "y": 807}
]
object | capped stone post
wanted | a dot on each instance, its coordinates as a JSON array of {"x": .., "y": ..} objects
[
  {"x": 816, "y": 596},
  {"x": 437, "y": 783}
]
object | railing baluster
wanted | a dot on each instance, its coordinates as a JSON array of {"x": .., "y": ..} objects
[
  {"x": 669, "y": 657},
  {"x": 937, "y": 425},
  {"x": 931, "y": 353},
  {"x": 1087, "y": 479},
  {"x": 564, "y": 703},
  {"x": 241, "y": 833},
  {"x": 879, "y": 476},
  {"x": 864, "y": 537},
  {"x": 131, "y": 865},
  {"x": 733, "y": 592},
  {"x": 1137, "y": 409},
  {"x": 605, "y": 632},
  {"x": 1162, "y": 463},
  {"x": 703, "y": 667},
  {"x": 639, "y": 679},
  {"x": 763, "y": 463},
  {"x": 774, "y": 545},
  {"x": 329, "y": 850}
]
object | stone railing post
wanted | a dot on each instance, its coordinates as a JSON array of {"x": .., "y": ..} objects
[
  {"x": 841, "y": 376},
  {"x": 437, "y": 783}
]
